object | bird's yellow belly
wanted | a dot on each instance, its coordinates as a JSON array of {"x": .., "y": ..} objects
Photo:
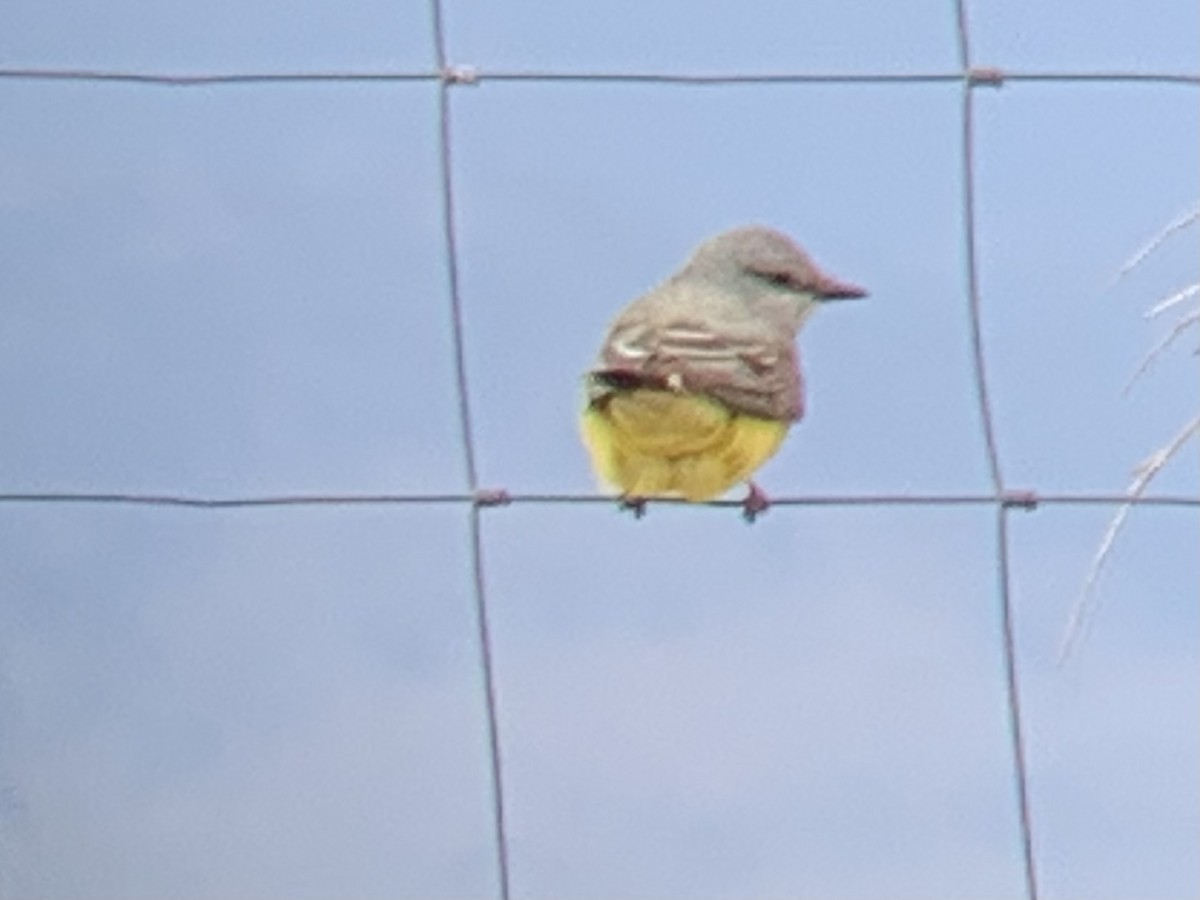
[{"x": 654, "y": 443}]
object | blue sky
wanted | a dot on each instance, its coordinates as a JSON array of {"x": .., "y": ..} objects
[{"x": 241, "y": 291}]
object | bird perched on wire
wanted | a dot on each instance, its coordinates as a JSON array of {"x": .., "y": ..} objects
[{"x": 698, "y": 381}]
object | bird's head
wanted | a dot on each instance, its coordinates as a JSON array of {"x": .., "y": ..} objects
[{"x": 770, "y": 270}]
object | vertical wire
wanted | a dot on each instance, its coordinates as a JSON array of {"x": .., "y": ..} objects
[
  {"x": 1016, "y": 730},
  {"x": 1012, "y": 687},
  {"x": 979, "y": 363},
  {"x": 467, "y": 434}
]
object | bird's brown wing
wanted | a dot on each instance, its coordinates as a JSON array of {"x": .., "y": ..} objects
[{"x": 742, "y": 364}]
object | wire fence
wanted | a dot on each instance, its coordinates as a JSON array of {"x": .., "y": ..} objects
[{"x": 449, "y": 77}]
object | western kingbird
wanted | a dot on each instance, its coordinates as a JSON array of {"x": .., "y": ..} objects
[{"x": 698, "y": 381}]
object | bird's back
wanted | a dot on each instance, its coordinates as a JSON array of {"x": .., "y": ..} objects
[{"x": 701, "y": 338}]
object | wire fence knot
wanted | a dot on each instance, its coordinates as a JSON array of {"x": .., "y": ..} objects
[
  {"x": 988, "y": 76},
  {"x": 460, "y": 75},
  {"x": 492, "y": 497},
  {"x": 1020, "y": 499}
]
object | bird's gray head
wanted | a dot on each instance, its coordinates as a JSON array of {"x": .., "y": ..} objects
[{"x": 768, "y": 268}]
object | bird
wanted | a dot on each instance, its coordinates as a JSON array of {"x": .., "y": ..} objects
[{"x": 698, "y": 381}]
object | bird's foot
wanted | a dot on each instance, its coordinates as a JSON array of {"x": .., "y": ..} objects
[
  {"x": 755, "y": 504},
  {"x": 635, "y": 505}
]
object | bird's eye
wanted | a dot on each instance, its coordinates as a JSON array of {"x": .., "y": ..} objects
[{"x": 780, "y": 278}]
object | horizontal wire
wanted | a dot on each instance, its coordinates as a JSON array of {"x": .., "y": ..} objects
[
  {"x": 1019, "y": 499},
  {"x": 466, "y": 74}
]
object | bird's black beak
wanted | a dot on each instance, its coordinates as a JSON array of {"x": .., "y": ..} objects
[{"x": 830, "y": 288}]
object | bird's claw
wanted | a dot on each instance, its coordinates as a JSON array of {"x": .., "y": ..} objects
[
  {"x": 755, "y": 504},
  {"x": 635, "y": 505}
]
